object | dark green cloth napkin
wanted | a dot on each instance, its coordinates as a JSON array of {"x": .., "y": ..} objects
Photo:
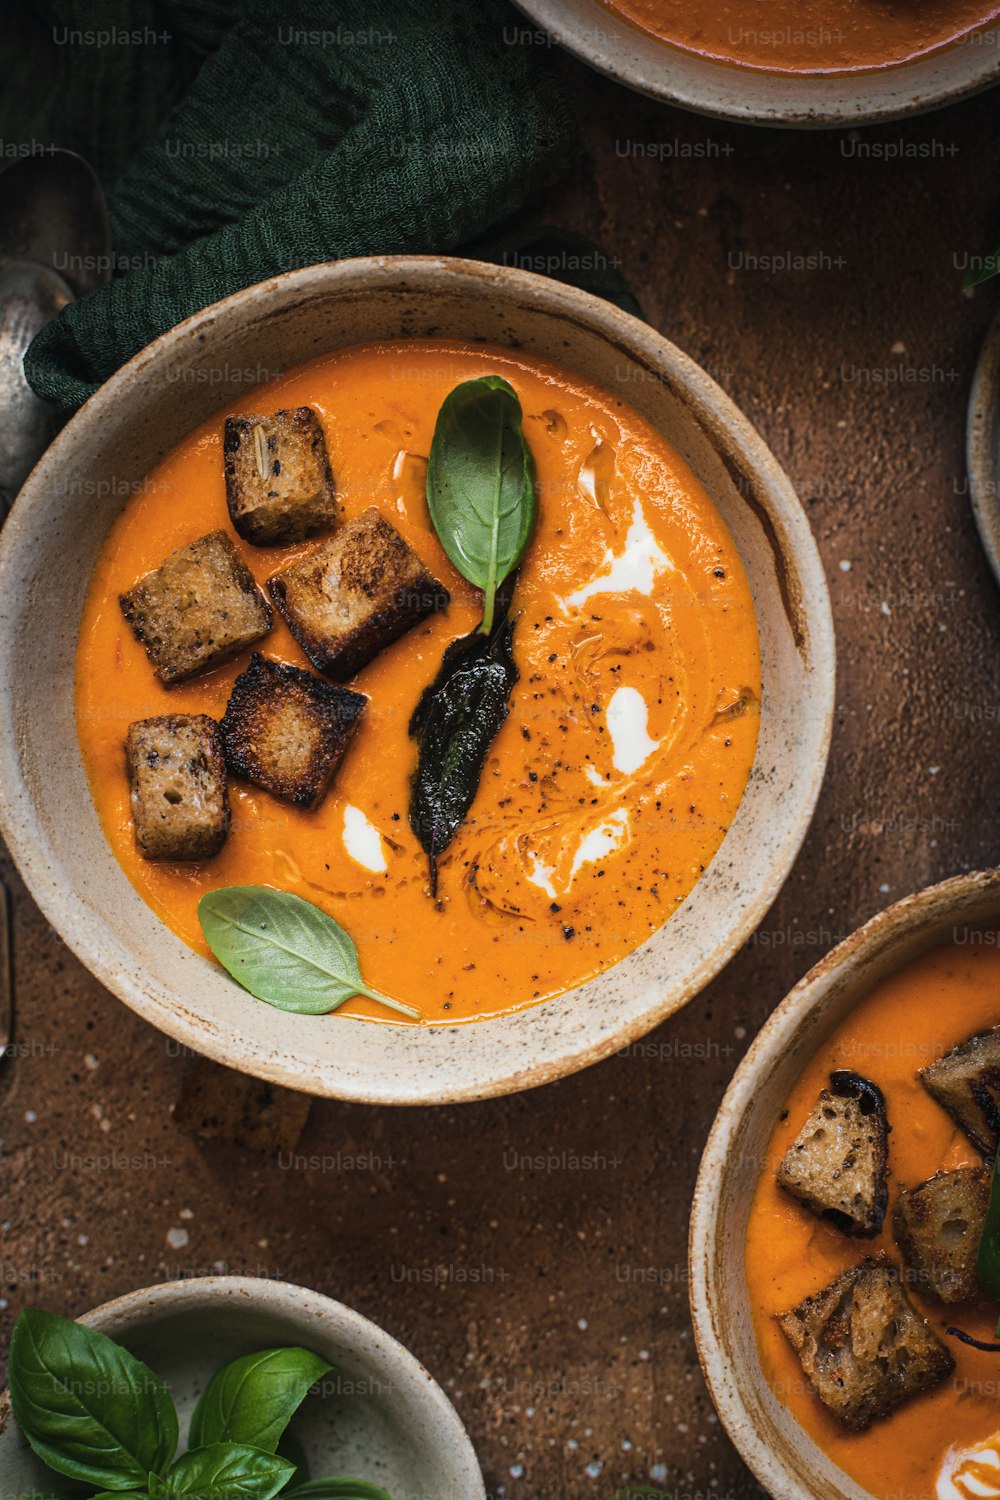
[{"x": 242, "y": 140}]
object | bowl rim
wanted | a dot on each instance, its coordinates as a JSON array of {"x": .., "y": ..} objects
[
  {"x": 818, "y": 105},
  {"x": 28, "y": 843},
  {"x": 709, "y": 1311},
  {"x": 120, "y": 1315},
  {"x": 982, "y": 439}
]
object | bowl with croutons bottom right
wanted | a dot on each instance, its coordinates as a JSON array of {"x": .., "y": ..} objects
[{"x": 844, "y": 1254}]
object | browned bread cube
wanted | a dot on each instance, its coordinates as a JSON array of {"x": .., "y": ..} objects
[
  {"x": 355, "y": 594},
  {"x": 287, "y": 731},
  {"x": 864, "y": 1347},
  {"x": 837, "y": 1163},
  {"x": 279, "y": 486},
  {"x": 200, "y": 606},
  {"x": 938, "y": 1228},
  {"x": 966, "y": 1082},
  {"x": 178, "y": 786}
]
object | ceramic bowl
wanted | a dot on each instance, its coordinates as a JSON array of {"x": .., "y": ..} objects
[
  {"x": 750, "y": 96},
  {"x": 982, "y": 446},
  {"x": 379, "y": 1417},
  {"x": 49, "y": 546},
  {"x": 784, "y": 1457}
]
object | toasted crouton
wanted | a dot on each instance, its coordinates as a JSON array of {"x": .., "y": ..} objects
[
  {"x": 279, "y": 486},
  {"x": 837, "y": 1163},
  {"x": 355, "y": 594},
  {"x": 938, "y": 1228},
  {"x": 200, "y": 606},
  {"x": 966, "y": 1082},
  {"x": 863, "y": 1345},
  {"x": 287, "y": 731},
  {"x": 178, "y": 786}
]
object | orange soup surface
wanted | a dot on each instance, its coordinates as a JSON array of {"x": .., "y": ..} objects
[
  {"x": 631, "y": 731},
  {"x": 813, "y": 36},
  {"x": 906, "y": 1023}
]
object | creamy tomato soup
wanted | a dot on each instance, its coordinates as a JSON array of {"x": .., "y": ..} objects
[
  {"x": 631, "y": 731},
  {"x": 811, "y": 36},
  {"x": 944, "y": 1444}
]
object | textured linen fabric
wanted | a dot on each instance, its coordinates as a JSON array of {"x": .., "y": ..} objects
[{"x": 240, "y": 141}]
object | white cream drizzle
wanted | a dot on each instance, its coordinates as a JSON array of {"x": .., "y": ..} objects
[
  {"x": 604, "y": 838},
  {"x": 541, "y": 875},
  {"x": 363, "y": 841},
  {"x": 627, "y": 719},
  {"x": 600, "y": 841},
  {"x": 970, "y": 1473},
  {"x": 636, "y": 568}
]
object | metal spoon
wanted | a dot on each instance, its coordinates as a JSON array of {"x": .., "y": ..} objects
[
  {"x": 30, "y": 295},
  {"x": 55, "y": 244}
]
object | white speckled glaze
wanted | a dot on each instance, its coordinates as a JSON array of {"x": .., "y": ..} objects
[
  {"x": 750, "y": 96},
  {"x": 784, "y": 1457},
  {"x": 389, "y": 1422},
  {"x": 983, "y": 445},
  {"x": 48, "y": 548}
]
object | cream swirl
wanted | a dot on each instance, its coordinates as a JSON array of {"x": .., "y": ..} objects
[{"x": 971, "y": 1473}]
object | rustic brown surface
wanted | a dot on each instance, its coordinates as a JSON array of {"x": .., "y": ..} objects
[{"x": 532, "y": 1250}]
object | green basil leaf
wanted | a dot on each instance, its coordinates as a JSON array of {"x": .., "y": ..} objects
[
  {"x": 253, "y": 1399},
  {"x": 455, "y": 723},
  {"x": 227, "y": 1471},
  {"x": 989, "y": 268},
  {"x": 89, "y": 1409},
  {"x": 75, "y": 1495},
  {"x": 285, "y": 950},
  {"x": 336, "y": 1489},
  {"x": 481, "y": 484}
]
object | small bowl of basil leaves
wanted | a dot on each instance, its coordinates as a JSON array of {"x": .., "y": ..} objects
[{"x": 225, "y": 1388}]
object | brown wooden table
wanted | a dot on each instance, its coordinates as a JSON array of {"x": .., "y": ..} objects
[{"x": 550, "y": 1296}]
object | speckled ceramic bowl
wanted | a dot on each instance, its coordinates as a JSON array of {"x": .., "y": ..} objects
[
  {"x": 379, "y": 1417},
  {"x": 49, "y": 546},
  {"x": 784, "y": 1457},
  {"x": 983, "y": 445},
  {"x": 607, "y": 42}
]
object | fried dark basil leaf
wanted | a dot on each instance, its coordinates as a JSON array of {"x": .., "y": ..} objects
[{"x": 455, "y": 723}]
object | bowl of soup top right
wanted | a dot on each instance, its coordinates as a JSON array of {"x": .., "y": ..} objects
[
  {"x": 836, "y": 1274},
  {"x": 782, "y": 62}
]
